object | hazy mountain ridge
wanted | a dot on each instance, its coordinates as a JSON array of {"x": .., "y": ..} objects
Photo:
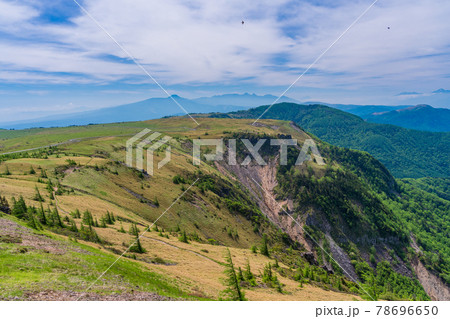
[
  {"x": 152, "y": 108},
  {"x": 420, "y": 117}
]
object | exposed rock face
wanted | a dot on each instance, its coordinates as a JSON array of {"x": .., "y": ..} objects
[
  {"x": 432, "y": 284},
  {"x": 252, "y": 175}
]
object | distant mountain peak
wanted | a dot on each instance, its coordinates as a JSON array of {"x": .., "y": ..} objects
[
  {"x": 416, "y": 107},
  {"x": 441, "y": 91}
]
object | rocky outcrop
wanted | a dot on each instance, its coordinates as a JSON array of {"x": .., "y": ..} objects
[{"x": 432, "y": 284}]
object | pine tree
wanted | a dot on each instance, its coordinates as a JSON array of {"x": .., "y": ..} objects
[
  {"x": 109, "y": 218},
  {"x": 137, "y": 247},
  {"x": 134, "y": 230},
  {"x": 76, "y": 214},
  {"x": 88, "y": 220},
  {"x": 268, "y": 274},
  {"x": 265, "y": 247},
  {"x": 57, "y": 219},
  {"x": 233, "y": 290},
  {"x": 37, "y": 196},
  {"x": 156, "y": 202},
  {"x": 240, "y": 275},
  {"x": 248, "y": 275},
  {"x": 183, "y": 238},
  {"x": 19, "y": 208},
  {"x": 32, "y": 221},
  {"x": 276, "y": 265},
  {"x": 41, "y": 215},
  {"x": 73, "y": 226}
]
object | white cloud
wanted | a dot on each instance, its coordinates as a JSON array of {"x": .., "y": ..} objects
[
  {"x": 202, "y": 41},
  {"x": 12, "y": 13}
]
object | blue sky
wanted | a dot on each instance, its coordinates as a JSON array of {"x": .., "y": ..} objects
[{"x": 54, "y": 59}]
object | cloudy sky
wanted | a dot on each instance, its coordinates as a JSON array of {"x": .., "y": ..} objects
[{"x": 55, "y": 59}]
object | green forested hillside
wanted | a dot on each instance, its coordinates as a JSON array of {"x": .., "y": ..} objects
[
  {"x": 406, "y": 153},
  {"x": 420, "y": 117},
  {"x": 427, "y": 216}
]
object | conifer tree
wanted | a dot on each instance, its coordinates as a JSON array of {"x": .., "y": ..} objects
[
  {"x": 134, "y": 230},
  {"x": 73, "y": 226},
  {"x": 57, "y": 219},
  {"x": 183, "y": 238},
  {"x": 37, "y": 196},
  {"x": 41, "y": 215},
  {"x": 233, "y": 290},
  {"x": 32, "y": 220},
  {"x": 121, "y": 230},
  {"x": 248, "y": 275},
  {"x": 265, "y": 247},
  {"x": 88, "y": 220},
  {"x": 240, "y": 275},
  {"x": 137, "y": 247},
  {"x": 19, "y": 208}
]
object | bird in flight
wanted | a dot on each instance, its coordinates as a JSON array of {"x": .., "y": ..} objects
[
  {"x": 389, "y": 28},
  {"x": 242, "y": 21}
]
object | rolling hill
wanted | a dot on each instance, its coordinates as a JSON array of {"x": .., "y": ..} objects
[
  {"x": 86, "y": 207},
  {"x": 406, "y": 153},
  {"x": 420, "y": 117}
]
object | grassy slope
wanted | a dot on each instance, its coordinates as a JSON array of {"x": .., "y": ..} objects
[
  {"x": 26, "y": 269},
  {"x": 197, "y": 267}
]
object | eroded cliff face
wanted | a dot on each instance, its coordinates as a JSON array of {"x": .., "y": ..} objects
[
  {"x": 433, "y": 285},
  {"x": 261, "y": 181},
  {"x": 256, "y": 177}
]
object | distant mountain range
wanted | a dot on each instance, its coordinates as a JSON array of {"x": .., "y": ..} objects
[
  {"x": 149, "y": 109},
  {"x": 420, "y": 117},
  {"x": 361, "y": 110}
]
